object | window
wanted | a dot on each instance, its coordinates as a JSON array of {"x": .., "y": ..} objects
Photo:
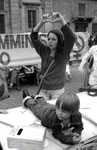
[
  {"x": 1, "y": 5},
  {"x": 31, "y": 18},
  {"x": 2, "y": 24},
  {"x": 81, "y": 9},
  {"x": 31, "y": 15}
]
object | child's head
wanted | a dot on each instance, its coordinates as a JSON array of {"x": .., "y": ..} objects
[{"x": 67, "y": 104}]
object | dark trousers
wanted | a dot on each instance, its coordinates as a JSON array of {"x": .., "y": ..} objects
[{"x": 38, "y": 106}]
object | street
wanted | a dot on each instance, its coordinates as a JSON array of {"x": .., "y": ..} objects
[{"x": 15, "y": 99}]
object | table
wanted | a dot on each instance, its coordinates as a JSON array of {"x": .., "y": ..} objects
[
  {"x": 22, "y": 116},
  {"x": 88, "y": 107}
]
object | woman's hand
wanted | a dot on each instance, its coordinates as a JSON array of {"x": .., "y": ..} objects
[
  {"x": 47, "y": 18},
  {"x": 57, "y": 17},
  {"x": 51, "y": 17},
  {"x": 44, "y": 19}
]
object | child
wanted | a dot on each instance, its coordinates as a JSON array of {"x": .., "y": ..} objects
[{"x": 63, "y": 115}]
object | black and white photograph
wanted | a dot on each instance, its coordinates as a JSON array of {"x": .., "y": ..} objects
[{"x": 48, "y": 74}]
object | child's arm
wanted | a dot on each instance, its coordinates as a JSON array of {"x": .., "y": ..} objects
[
  {"x": 84, "y": 61},
  {"x": 71, "y": 138},
  {"x": 75, "y": 136},
  {"x": 58, "y": 134},
  {"x": 76, "y": 123}
]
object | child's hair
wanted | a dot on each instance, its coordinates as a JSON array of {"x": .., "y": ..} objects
[{"x": 69, "y": 102}]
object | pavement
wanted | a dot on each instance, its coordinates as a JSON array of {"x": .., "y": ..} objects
[{"x": 15, "y": 99}]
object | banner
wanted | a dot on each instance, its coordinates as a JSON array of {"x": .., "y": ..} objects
[
  {"x": 17, "y": 49},
  {"x": 80, "y": 46}
]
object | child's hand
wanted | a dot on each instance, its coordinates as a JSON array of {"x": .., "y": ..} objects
[{"x": 76, "y": 138}]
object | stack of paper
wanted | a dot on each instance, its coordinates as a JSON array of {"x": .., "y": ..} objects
[
  {"x": 27, "y": 138},
  {"x": 90, "y": 115},
  {"x": 19, "y": 116},
  {"x": 87, "y": 101}
]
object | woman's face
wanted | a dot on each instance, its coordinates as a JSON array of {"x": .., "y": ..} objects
[
  {"x": 52, "y": 41},
  {"x": 62, "y": 114}
]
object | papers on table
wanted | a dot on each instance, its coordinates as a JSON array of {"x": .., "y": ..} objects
[
  {"x": 88, "y": 107},
  {"x": 90, "y": 115},
  {"x": 18, "y": 117},
  {"x": 89, "y": 133},
  {"x": 87, "y": 101}
]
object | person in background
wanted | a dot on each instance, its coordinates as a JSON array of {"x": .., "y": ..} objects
[
  {"x": 88, "y": 65},
  {"x": 68, "y": 73},
  {"x": 64, "y": 115},
  {"x": 13, "y": 77},
  {"x": 93, "y": 71},
  {"x": 58, "y": 48},
  {"x": 91, "y": 41}
]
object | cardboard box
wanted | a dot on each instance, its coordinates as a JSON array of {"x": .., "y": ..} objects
[{"x": 27, "y": 138}]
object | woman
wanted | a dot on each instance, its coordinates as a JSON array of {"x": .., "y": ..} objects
[{"x": 58, "y": 48}]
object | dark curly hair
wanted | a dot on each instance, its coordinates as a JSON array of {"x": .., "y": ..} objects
[{"x": 60, "y": 45}]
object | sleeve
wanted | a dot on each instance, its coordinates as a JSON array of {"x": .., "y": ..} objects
[
  {"x": 69, "y": 39},
  {"x": 86, "y": 58},
  {"x": 38, "y": 45},
  {"x": 58, "y": 134},
  {"x": 77, "y": 123}
]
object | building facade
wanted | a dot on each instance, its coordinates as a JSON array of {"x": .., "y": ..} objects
[{"x": 22, "y": 15}]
